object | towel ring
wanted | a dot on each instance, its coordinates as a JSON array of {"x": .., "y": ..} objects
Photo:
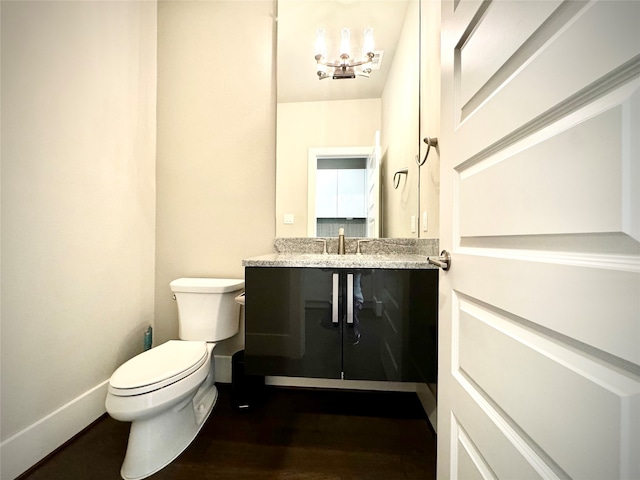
[{"x": 397, "y": 176}]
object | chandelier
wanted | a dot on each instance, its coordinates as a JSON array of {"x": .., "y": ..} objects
[{"x": 345, "y": 67}]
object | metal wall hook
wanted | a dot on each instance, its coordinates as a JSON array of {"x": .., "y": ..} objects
[
  {"x": 397, "y": 175},
  {"x": 431, "y": 142}
]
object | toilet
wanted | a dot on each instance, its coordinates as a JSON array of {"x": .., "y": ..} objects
[{"x": 168, "y": 392}]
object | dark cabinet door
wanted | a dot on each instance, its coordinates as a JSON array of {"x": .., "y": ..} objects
[
  {"x": 393, "y": 336},
  {"x": 289, "y": 329},
  {"x": 363, "y": 324}
]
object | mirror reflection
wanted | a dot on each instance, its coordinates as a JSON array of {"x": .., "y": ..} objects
[{"x": 340, "y": 141}]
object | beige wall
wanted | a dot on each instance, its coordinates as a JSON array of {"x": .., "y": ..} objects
[
  {"x": 216, "y": 149},
  {"x": 400, "y": 132},
  {"x": 430, "y": 117},
  {"x": 78, "y": 211},
  {"x": 304, "y": 125}
]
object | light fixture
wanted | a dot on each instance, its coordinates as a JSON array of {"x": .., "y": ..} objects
[{"x": 345, "y": 67}]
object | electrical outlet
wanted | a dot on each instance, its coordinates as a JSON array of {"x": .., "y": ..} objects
[
  {"x": 413, "y": 224},
  {"x": 425, "y": 219},
  {"x": 288, "y": 218}
]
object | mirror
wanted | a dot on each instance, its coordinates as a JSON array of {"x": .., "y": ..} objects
[{"x": 328, "y": 129}]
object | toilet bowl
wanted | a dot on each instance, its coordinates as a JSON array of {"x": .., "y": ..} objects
[{"x": 168, "y": 392}]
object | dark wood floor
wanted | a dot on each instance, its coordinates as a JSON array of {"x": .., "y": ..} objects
[{"x": 293, "y": 434}]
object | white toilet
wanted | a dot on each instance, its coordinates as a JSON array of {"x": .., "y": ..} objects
[{"x": 168, "y": 392}]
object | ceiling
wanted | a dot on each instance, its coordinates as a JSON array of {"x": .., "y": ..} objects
[{"x": 297, "y": 23}]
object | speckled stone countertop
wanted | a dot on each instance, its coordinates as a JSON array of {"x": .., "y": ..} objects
[{"x": 376, "y": 253}]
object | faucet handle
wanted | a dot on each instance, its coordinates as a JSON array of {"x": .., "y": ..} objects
[
  {"x": 358, "y": 246},
  {"x": 324, "y": 241}
]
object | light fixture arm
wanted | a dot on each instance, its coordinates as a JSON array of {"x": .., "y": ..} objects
[
  {"x": 344, "y": 68},
  {"x": 345, "y": 61}
]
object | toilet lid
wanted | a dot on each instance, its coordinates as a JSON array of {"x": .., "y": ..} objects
[{"x": 166, "y": 364}]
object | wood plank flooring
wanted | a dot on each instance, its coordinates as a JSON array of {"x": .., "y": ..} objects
[{"x": 293, "y": 434}]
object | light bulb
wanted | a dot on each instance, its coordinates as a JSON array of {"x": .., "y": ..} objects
[
  {"x": 345, "y": 42},
  {"x": 321, "y": 46},
  {"x": 367, "y": 47}
]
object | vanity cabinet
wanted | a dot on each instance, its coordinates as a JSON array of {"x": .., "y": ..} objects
[{"x": 354, "y": 324}]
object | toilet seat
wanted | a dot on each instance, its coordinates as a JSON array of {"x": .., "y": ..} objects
[{"x": 157, "y": 368}]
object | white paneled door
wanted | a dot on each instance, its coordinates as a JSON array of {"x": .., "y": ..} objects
[{"x": 539, "y": 352}]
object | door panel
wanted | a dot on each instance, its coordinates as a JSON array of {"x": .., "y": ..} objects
[
  {"x": 469, "y": 463},
  {"x": 539, "y": 349},
  {"x": 536, "y": 79},
  {"x": 489, "y": 343},
  {"x": 516, "y": 22},
  {"x": 573, "y": 296},
  {"x": 495, "y": 447},
  {"x": 526, "y": 189}
]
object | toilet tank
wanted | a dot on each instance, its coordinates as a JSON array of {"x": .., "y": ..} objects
[{"x": 207, "y": 309}]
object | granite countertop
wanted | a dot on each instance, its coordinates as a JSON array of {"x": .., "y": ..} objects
[
  {"x": 390, "y": 261},
  {"x": 376, "y": 253}
]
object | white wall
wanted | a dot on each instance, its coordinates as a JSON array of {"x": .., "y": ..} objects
[
  {"x": 304, "y": 125},
  {"x": 78, "y": 212},
  {"x": 216, "y": 144}
]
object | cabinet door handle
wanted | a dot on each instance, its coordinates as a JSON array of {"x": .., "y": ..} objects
[
  {"x": 334, "y": 299},
  {"x": 349, "y": 298}
]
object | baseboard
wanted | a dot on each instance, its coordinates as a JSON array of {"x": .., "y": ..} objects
[{"x": 27, "y": 447}]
